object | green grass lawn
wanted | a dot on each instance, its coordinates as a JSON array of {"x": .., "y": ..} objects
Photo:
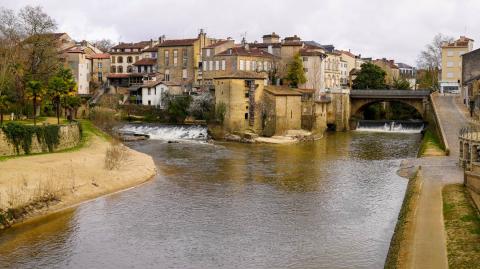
[
  {"x": 431, "y": 145},
  {"x": 462, "y": 225}
]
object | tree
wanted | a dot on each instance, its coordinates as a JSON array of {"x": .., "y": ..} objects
[
  {"x": 295, "y": 73},
  {"x": 202, "y": 106},
  {"x": 369, "y": 77},
  {"x": 400, "y": 84},
  {"x": 103, "y": 44},
  {"x": 73, "y": 102},
  {"x": 431, "y": 58},
  {"x": 177, "y": 107},
  {"x": 61, "y": 85},
  {"x": 35, "y": 90},
  {"x": 4, "y": 103}
]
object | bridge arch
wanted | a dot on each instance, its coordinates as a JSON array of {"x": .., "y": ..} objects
[{"x": 359, "y": 106}]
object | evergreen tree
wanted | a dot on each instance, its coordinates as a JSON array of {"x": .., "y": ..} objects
[
  {"x": 61, "y": 85},
  {"x": 370, "y": 77},
  {"x": 295, "y": 73}
]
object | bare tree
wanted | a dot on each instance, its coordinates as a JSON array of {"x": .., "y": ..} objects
[
  {"x": 103, "y": 44},
  {"x": 431, "y": 57}
]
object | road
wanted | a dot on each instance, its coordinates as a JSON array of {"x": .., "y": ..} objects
[{"x": 429, "y": 247}]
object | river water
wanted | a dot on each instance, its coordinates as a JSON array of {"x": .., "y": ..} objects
[{"x": 332, "y": 203}]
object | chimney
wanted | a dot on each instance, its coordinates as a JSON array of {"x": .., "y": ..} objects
[
  {"x": 244, "y": 41},
  {"x": 230, "y": 51},
  {"x": 161, "y": 39}
]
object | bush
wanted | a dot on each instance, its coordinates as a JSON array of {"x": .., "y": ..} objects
[
  {"x": 177, "y": 107},
  {"x": 220, "y": 111},
  {"x": 202, "y": 106},
  {"x": 115, "y": 155},
  {"x": 104, "y": 118}
]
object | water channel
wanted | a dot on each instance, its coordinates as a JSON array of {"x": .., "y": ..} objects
[{"x": 332, "y": 203}]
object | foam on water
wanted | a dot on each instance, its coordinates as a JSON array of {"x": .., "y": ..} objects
[
  {"x": 391, "y": 127},
  {"x": 168, "y": 132}
]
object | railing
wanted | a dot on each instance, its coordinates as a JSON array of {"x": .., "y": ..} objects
[
  {"x": 470, "y": 133},
  {"x": 390, "y": 93}
]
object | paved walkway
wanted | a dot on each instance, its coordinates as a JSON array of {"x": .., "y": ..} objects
[{"x": 429, "y": 249}]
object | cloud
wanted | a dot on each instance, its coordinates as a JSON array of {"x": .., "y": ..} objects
[{"x": 374, "y": 28}]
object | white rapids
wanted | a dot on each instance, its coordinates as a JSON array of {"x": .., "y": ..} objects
[{"x": 168, "y": 132}]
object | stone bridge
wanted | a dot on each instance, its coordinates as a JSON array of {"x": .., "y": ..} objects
[{"x": 419, "y": 99}]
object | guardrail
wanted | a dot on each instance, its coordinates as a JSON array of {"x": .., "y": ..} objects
[
  {"x": 439, "y": 126},
  {"x": 470, "y": 133}
]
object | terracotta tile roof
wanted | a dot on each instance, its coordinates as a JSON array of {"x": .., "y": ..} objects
[
  {"x": 115, "y": 75},
  {"x": 243, "y": 74},
  {"x": 242, "y": 51},
  {"x": 218, "y": 43},
  {"x": 282, "y": 91},
  {"x": 138, "y": 45},
  {"x": 100, "y": 56},
  {"x": 307, "y": 52},
  {"x": 178, "y": 42},
  {"x": 347, "y": 53},
  {"x": 146, "y": 61},
  {"x": 151, "y": 49},
  {"x": 265, "y": 45}
]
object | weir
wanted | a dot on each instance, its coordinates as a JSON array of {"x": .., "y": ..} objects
[
  {"x": 167, "y": 132},
  {"x": 390, "y": 126}
]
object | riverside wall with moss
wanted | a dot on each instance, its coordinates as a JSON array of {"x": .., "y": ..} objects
[{"x": 25, "y": 139}]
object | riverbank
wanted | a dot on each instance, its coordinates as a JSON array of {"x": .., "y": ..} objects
[{"x": 36, "y": 185}]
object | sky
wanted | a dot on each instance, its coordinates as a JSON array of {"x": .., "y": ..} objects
[{"x": 391, "y": 29}]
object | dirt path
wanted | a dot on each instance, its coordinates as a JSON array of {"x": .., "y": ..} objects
[{"x": 428, "y": 248}]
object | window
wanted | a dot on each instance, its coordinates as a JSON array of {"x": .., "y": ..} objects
[
  {"x": 113, "y": 59},
  {"x": 305, "y": 59},
  {"x": 247, "y": 63},
  {"x": 260, "y": 66},
  {"x": 185, "y": 59},
  {"x": 99, "y": 75},
  {"x": 449, "y": 64},
  {"x": 129, "y": 69},
  {"x": 167, "y": 58},
  {"x": 208, "y": 52},
  {"x": 254, "y": 65},
  {"x": 129, "y": 59},
  {"x": 149, "y": 102},
  {"x": 113, "y": 69},
  {"x": 205, "y": 67},
  {"x": 155, "y": 91},
  {"x": 242, "y": 65},
  {"x": 167, "y": 75},
  {"x": 175, "y": 57},
  {"x": 184, "y": 74},
  {"x": 99, "y": 65},
  {"x": 120, "y": 69},
  {"x": 449, "y": 75},
  {"x": 246, "y": 116},
  {"x": 265, "y": 66},
  {"x": 120, "y": 59},
  {"x": 210, "y": 65},
  {"x": 223, "y": 65},
  {"x": 217, "y": 65},
  {"x": 149, "y": 91}
]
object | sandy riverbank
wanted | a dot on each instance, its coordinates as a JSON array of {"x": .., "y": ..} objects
[{"x": 72, "y": 177}]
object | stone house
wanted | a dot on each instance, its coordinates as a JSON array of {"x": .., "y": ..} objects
[
  {"x": 314, "y": 68},
  {"x": 100, "y": 67},
  {"x": 179, "y": 60},
  {"x": 124, "y": 55},
  {"x": 332, "y": 70},
  {"x": 283, "y": 107},
  {"x": 241, "y": 92},
  {"x": 390, "y": 68}
]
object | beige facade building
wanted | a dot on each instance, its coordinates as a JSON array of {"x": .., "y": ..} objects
[
  {"x": 332, "y": 70},
  {"x": 100, "y": 67},
  {"x": 124, "y": 55},
  {"x": 451, "y": 78},
  {"x": 314, "y": 68},
  {"x": 391, "y": 70},
  {"x": 283, "y": 109}
]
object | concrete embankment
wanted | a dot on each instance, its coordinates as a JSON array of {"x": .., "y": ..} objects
[{"x": 37, "y": 185}]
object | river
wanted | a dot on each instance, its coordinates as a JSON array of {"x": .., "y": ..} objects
[{"x": 332, "y": 203}]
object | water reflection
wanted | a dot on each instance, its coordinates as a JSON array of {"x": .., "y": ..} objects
[{"x": 326, "y": 204}]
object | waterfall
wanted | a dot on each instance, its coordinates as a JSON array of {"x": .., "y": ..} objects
[
  {"x": 167, "y": 132},
  {"x": 390, "y": 126}
]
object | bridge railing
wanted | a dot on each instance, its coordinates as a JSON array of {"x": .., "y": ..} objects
[
  {"x": 390, "y": 93},
  {"x": 470, "y": 133}
]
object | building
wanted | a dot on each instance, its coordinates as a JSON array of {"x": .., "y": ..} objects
[
  {"x": 471, "y": 77},
  {"x": 152, "y": 94},
  {"x": 313, "y": 66},
  {"x": 332, "y": 70},
  {"x": 241, "y": 92},
  {"x": 409, "y": 73},
  {"x": 124, "y": 55},
  {"x": 391, "y": 70},
  {"x": 100, "y": 67},
  {"x": 451, "y": 76},
  {"x": 180, "y": 60},
  {"x": 283, "y": 110},
  {"x": 238, "y": 58}
]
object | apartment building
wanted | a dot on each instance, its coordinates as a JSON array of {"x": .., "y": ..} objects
[
  {"x": 390, "y": 68},
  {"x": 314, "y": 69},
  {"x": 124, "y": 55},
  {"x": 100, "y": 67},
  {"x": 451, "y": 76},
  {"x": 332, "y": 70}
]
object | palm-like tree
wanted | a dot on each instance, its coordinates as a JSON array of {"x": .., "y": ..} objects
[
  {"x": 61, "y": 85},
  {"x": 35, "y": 90}
]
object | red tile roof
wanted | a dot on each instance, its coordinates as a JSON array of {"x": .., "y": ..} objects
[
  {"x": 100, "y": 56},
  {"x": 242, "y": 51},
  {"x": 307, "y": 52},
  {"x": 151, "y": 49},
  {"x": 178, "y": 42},
  {"x": 146, "y": 61},
  {"x": 138, "y": 45}
]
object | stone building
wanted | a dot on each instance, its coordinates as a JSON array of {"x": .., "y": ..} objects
[
  {"x": 124, "y": 55},
  {"x": 180, "y": 60},
  {"x": 282, "y": 110},
  {"x": 471, "y": 76},
  {"x": 390, "y": 68},
  {"x": 241, "y": 92},
  {"x": 100, "y": 67},
  {"x": 314, "y": 68},
  {"x": 332, "y": 70},
  {"x": 451, "y": 76}
]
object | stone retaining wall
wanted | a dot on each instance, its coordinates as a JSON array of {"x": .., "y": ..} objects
[{"x": 69, "y": 137}]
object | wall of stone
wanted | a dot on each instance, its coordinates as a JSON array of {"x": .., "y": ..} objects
[
  {"x": 69, "y": 137},
  {"x": 471, "y": 65},
  {"x": 472, "y": 182}
]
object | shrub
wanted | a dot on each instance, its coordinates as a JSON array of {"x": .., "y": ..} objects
[
  {"x": 104, "y": 118},
  {"x": 202, "y": 106},
  {"x": 115, "y": 155},
  {"x": 177, "y": 107},
  {"x": 220, "y": 111}
]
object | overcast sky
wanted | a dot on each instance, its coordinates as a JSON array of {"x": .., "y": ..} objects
[{"x": 373, "y": 28}]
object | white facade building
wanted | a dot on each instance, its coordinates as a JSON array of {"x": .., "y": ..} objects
[{"x": 152, "y": 94}]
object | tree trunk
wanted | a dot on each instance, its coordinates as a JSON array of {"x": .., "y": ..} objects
[
  {"x": 57, "y": 101},
  {"x": 34, "y": 109},
  {"x": 1, "y": 117}
]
